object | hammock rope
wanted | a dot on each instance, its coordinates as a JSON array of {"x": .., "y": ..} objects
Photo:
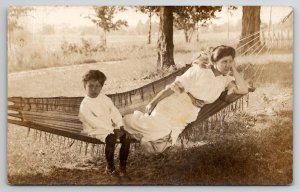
[
  {"x": 257, "y": 48},
  {"x": 264, "y": 45},
  {"x": 259, "y": 69},
  {"x": 256, "y": 77},
  {"x": 238, "y": 48},
  {"x": 249, "y": 48},
  {"x": 248, "y": 36}
]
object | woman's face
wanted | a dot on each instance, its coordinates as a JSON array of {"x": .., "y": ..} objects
[
  {"x": 224, "y": 64},
  {"x": 93, "y": 88}
]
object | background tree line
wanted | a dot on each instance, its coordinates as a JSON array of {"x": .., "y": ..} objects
[{"x": 185, "y": 18}]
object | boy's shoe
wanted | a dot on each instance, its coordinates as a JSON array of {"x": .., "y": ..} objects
[
  {"x": 111, "y": 172},
  {"x": 123, "y": 175},
  {"x": 122, "y": 172}
]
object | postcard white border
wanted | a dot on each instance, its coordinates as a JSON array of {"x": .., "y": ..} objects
[{"x": 3, "y": 96}]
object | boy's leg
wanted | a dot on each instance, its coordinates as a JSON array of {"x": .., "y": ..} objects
[
  {"x": 124, "y": 152},
  {"x": 110, "y": 141}
]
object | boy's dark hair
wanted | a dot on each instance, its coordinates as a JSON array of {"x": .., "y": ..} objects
[
  {"x": 222, "y": 51},
  {"x": 94, "y": 75}
]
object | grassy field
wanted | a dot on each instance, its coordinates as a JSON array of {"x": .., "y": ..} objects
[
  {"x": 255, "y": 148},
  {"x": 37, "y": 51}
]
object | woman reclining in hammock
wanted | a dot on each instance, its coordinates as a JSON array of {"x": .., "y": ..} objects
[{"x": 180, "y": 102}]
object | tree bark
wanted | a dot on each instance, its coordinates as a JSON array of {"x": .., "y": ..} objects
[
  {"x": 105, "y": 39},
  {"x": 186, "y": 35},
  {"x": 165, "y": 41},
  {"x": 250, "y": 25},
  {"x": 191, "y": 35},
  {"x": 197, "y": 31},
  {"x": 149, "y": 34}
]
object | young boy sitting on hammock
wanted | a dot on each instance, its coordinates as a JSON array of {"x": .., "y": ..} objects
[{"x": 102, "y": 120}]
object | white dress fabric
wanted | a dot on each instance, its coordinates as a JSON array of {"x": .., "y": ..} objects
[
  {"x": 99, "y": 116},
  {"x": 172, "y": 114}
]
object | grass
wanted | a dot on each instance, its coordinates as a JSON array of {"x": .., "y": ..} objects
[
  {"x": 42, "y": 51},
  {"x": 45, "y": 51},
  {"x": 241, "y": 157},
  {"x": 34, "y": 59}
]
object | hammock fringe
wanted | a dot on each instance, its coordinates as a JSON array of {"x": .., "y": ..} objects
[{"x": 214, "y": 123}]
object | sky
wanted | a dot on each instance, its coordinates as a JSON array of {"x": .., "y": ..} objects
[{"x": 76, "y": 15}]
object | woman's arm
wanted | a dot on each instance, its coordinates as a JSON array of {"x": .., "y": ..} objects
[
  {"x": 160, "y": 96},
  {"x": 241, "y": 85}
]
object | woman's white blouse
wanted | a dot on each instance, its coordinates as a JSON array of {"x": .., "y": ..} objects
[{"x": 202, "y": 83}]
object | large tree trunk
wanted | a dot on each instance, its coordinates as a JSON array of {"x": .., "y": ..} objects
[
  {"x": 250, "y": 25},
  {"x": 165, "y": 40}
]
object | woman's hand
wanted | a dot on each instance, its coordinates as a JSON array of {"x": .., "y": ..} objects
[
  {"x": 150, "y": 107},
  {"x": 241, "y": 85},
  {"x": 160, "y": 96},
  {"x": 196, "y": 102}
]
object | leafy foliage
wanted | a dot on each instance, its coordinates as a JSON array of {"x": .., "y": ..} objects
[
  {"x": 150, "y": 10},
  {"x": 186, "y": 18},
  {"x": 231, "y": 9},
  {"x": 104, "y": 18},
  {"x": 86, "y": 47}
]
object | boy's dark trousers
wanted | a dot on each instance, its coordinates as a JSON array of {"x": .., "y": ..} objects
[{"x": 110, "y": 146}]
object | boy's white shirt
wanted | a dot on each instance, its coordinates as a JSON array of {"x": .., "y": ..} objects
[{"x": 97, "y": 115}]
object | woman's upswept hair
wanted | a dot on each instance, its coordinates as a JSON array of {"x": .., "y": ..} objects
[
  {"x": 203, "y": 58},
  {"x": 214, "y": 54},
  {"x": 94, "y": 75},
  {"x": 222, "y": 51}
]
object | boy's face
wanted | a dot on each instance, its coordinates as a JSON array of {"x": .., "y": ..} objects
[{"x": 93, "y": 88}]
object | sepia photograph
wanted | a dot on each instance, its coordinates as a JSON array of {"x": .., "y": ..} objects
[{"x": 150, "y": 95}]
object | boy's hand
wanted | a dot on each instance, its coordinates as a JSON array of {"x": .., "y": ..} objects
[{"x": 118, "y": 133}]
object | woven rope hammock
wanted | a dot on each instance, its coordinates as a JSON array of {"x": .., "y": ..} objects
[{"x": 59, "y": 115}]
